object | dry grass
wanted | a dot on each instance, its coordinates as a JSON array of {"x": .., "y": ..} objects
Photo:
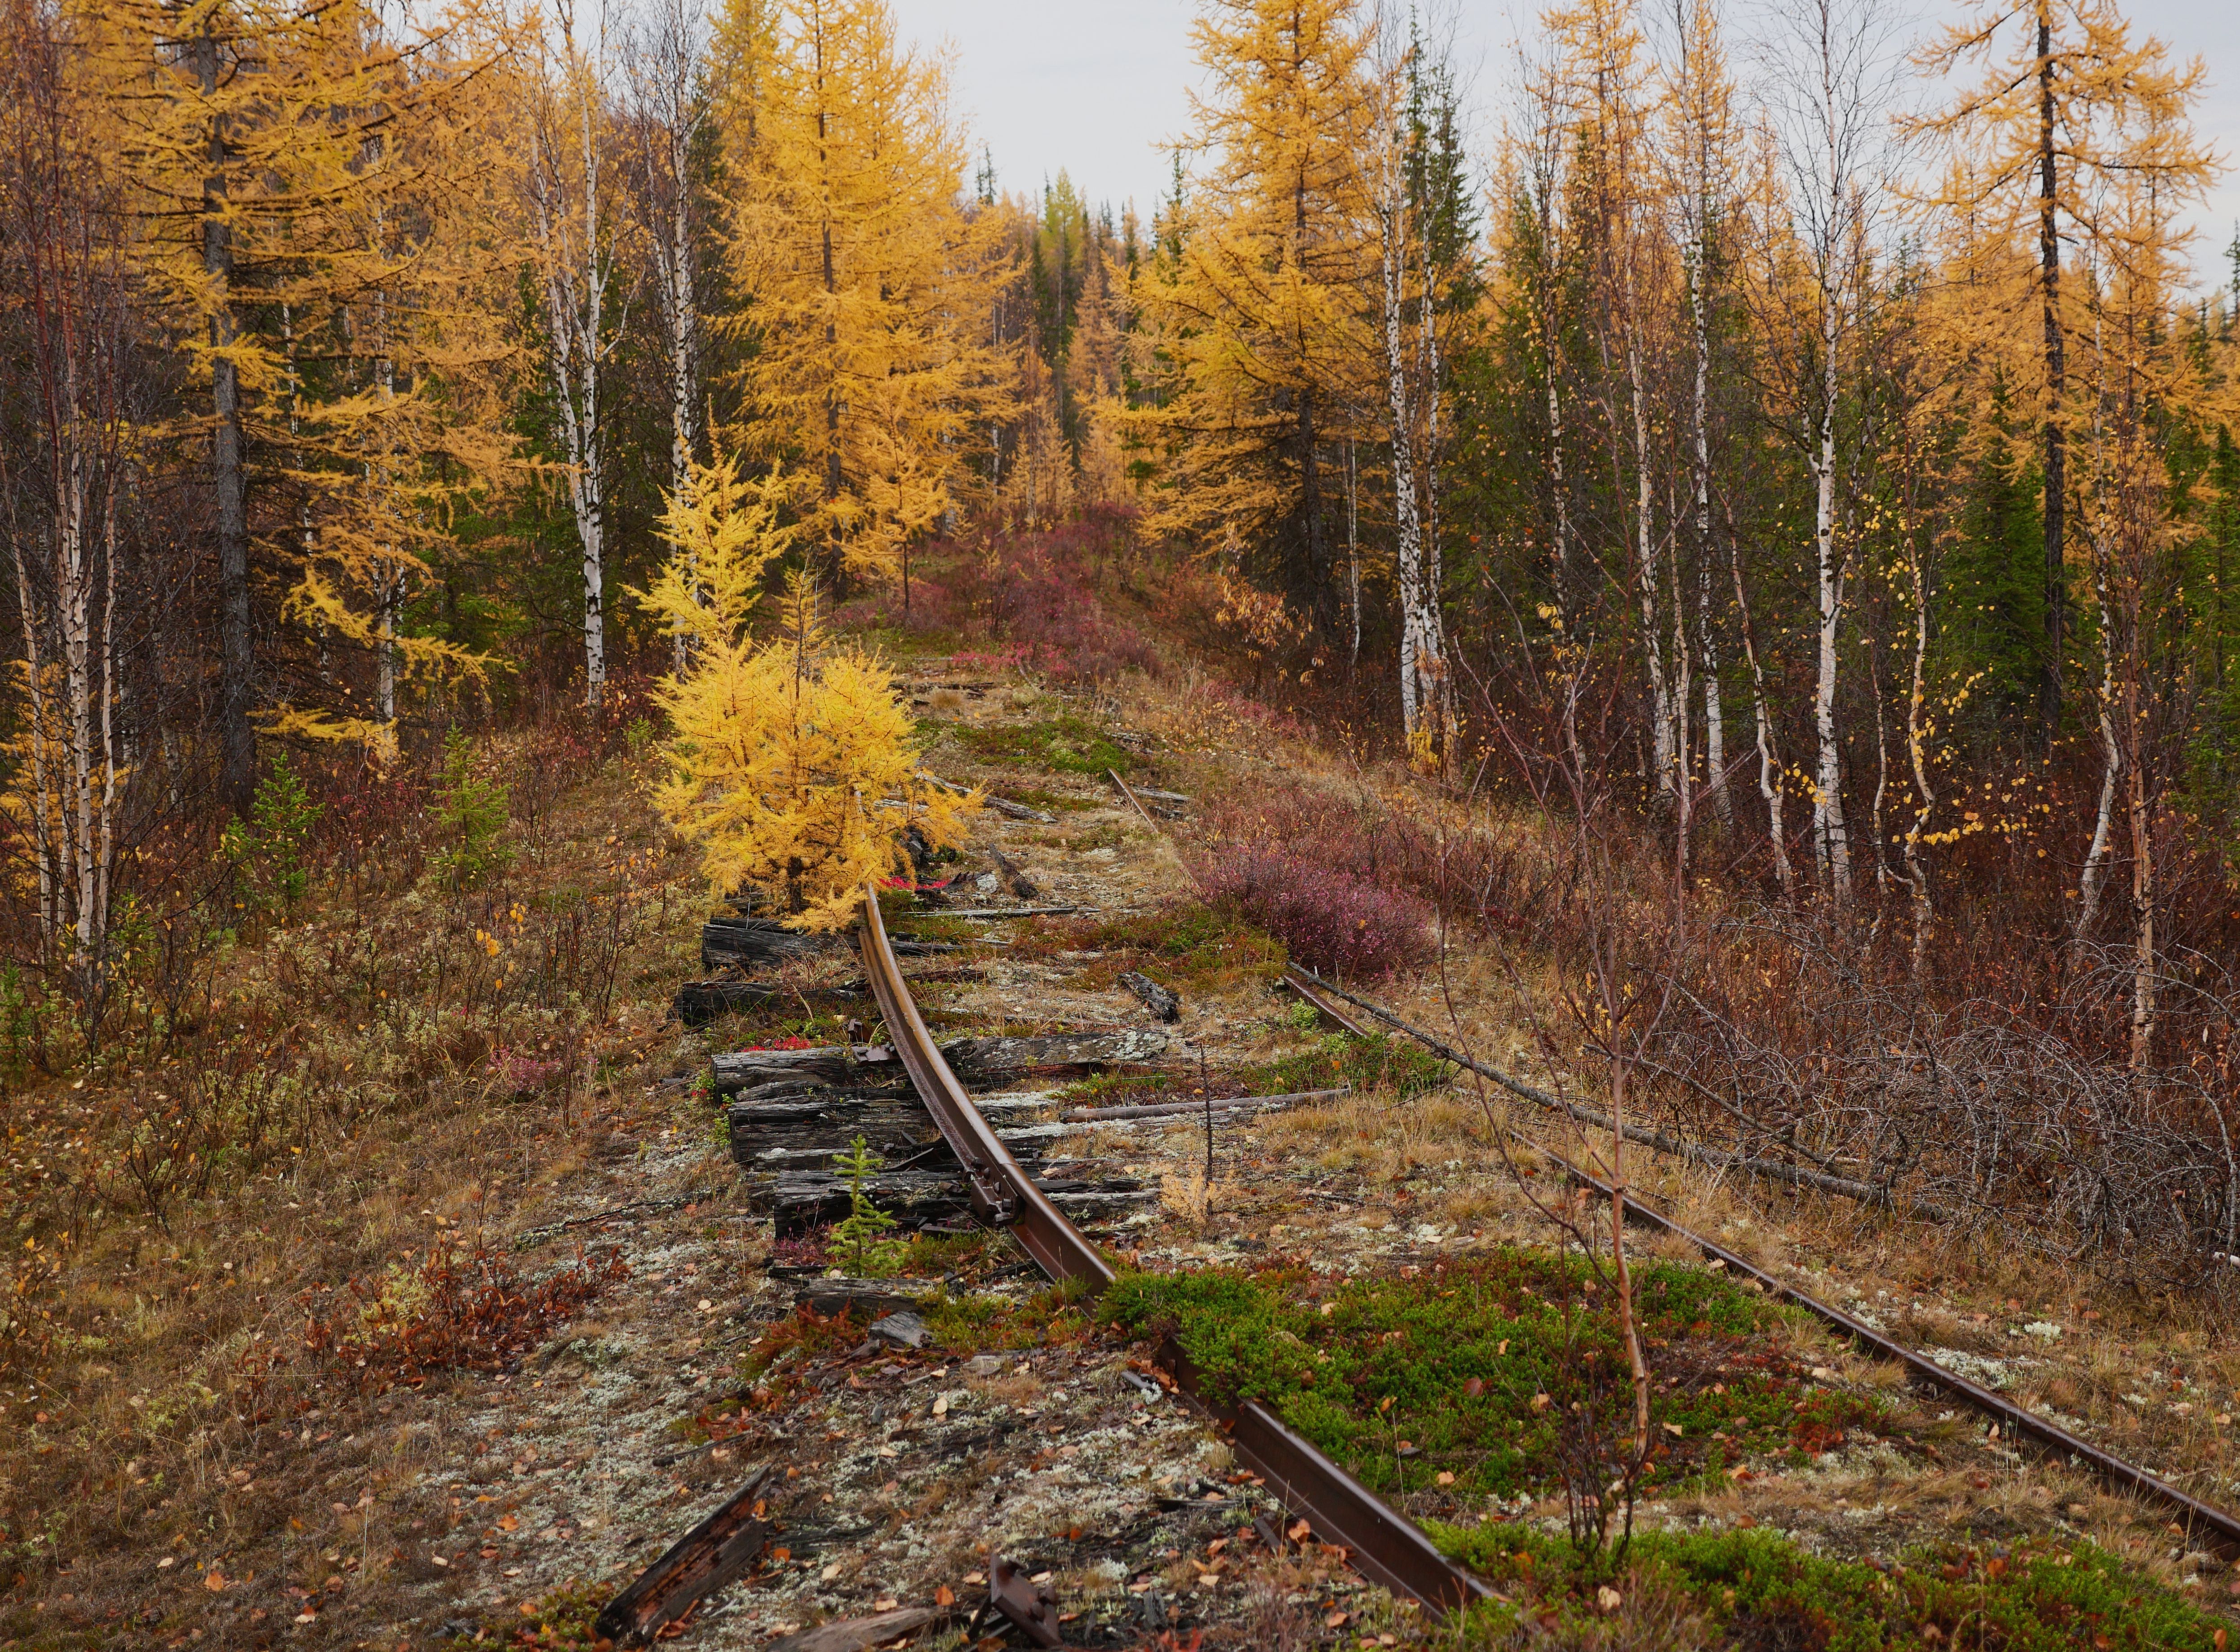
[{"x": 429, "y": 1092}]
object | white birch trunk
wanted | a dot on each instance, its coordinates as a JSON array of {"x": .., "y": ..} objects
[
  {"x": 1831, "y": 840},
  {"x": 1917, "y": 870},
  {"x": 576, "y": 273},
  {"x": 1646, "y": 574},
  {"x": 1407, "y": 529}
]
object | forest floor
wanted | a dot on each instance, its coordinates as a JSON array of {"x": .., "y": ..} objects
[{"x": 476, "y": 1313}]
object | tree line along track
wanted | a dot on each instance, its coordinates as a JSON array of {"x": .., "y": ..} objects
[
  {"x": 1384, "y": 1545},
  {"x": 2204, "y": 1523}
]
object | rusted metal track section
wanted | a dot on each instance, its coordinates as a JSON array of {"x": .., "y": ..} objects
[
  {"x": 2205, "y": 1523},
  {"x": 1383, "y": 1546}
]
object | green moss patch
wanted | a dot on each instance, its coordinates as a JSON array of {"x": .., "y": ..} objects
[
  {"x": 1071, "y": 745},
  {"x": 1364, "y": 1064},
  {"x": 1757, "y": 1589},
  {"x": 1466, "y": 1369}
]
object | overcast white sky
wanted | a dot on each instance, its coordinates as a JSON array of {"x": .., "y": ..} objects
[{"x": 1095, "y": 86}]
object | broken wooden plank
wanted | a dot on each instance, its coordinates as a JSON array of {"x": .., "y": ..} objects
[
  {"x": 1014, "y": 879},
  {"x": 875, "y": 1296},
  {"x": 838, "y": 1063},
  {"x": 732, "y": 942},
  {"x": 1164, "y": 1110},
  {"x": 854, "y": 1634},
  {"x": 1010, "y": 912},
  {"x": 801, "y": 1207},
  {"x": 699, "y": 1002},
  {"x": 1163, "y": 1004},
  {"x": 714, "y": 1553}
]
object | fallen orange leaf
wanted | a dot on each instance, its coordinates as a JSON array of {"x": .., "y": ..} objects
[
  {"x": 944, "y": 1597},
  {"x": 213, "y": 1580}
]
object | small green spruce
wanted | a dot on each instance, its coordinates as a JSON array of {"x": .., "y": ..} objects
[
  {"x": 472, "y": 812},
  {"x": 865, "y": 1221},
  {"x": 270, "y": 847}
]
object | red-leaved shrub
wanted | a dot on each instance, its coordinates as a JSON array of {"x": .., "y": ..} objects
[
  {"x": 1328, "y": 919},
  {"x": 1038, "y": 596}
]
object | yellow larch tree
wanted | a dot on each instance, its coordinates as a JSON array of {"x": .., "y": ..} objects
[
  {"x": 302, "y": 169},
  {"x": 792, "y": 762},
  {"x": 862, "y": 276},
  {"x": 1258, "y": 317},
  {"x": 2066, "y": 105}
]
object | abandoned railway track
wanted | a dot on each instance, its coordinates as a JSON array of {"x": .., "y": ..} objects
[
  {"x": 1384, "y": 1545},
  {"x": 2204, "y": 1523}
]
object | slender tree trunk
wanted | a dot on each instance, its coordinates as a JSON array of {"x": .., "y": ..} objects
[
  {"x": 575, "y": 280},
  {"x": 2096, "y": 857},
  {"x": 2143, "y": 985},
  {"x": 1407, "y": 547},
  {"x": 1917, "y": 869},
  {"x": 1439, "y": 687},
  {"x": 2056, "y": 455},
  {"x": 1769, "y": 754},
  {"x": 1646, "y": 575},
  {"x": 236, "y": 739},
  {"x": 1831, "y": 841},
  {"x": 1353, "y": 558},
  {"x": 1715, "y": 735}
]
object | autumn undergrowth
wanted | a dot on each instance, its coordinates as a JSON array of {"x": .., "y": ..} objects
[
  {"x": 1757, "y": 1589},
  {"x": 274, "y": 1192},
  {"x": 1454, "y": 1381}
]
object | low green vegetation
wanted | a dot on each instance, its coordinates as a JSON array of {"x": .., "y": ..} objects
[
  {"x": 1069, "y": 743},
  {"x": 1757, "y": 1589},
  {"x": 1336, "y": 1059},
  {"x": 1454, "y": 1381}
]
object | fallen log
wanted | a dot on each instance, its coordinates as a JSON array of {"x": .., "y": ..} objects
[
  {"x": 1166, "y": 1109},
  {"x": 1164, "y": 1004},
  {"x": 714, "y": 1553},
  {"x": 844, "y": 1064},
  {"x": 1002, "y": 806},
  {"x": 699, "y": 1002}
]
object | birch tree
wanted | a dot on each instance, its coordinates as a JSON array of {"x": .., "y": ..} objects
[
  {"x": 578, "y": 267},
  {"x": 1831, "y": 85},
  {"x": 64, "y": 242},
  {"x": 669, "y": 115}
]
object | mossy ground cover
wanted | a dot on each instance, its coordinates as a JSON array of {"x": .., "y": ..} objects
[
  {"x": 1365, "y": 1065},
  {"x": 1069, "y": 743},
  {"x": 1756, "y": 1589},
  {"x": 1452, "y": 1381}
]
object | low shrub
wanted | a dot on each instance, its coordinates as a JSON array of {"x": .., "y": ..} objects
[
  {"x": 472, "y": 1313},
  {"x": 1334, "y": 921},
  {"x": 1038, "y": 596}
]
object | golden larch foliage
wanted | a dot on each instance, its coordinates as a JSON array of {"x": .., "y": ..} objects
[{"x": 792, "y": 763}]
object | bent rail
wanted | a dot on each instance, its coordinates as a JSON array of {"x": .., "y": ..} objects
[
  {"x": 1384, "y": 1546},
  {"x": 2201, "y": 1521}
]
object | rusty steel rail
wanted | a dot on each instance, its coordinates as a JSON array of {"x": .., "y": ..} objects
[
  {"x": 2202, "y": 1522},
  {"x": 1385, "y": 1547}
]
